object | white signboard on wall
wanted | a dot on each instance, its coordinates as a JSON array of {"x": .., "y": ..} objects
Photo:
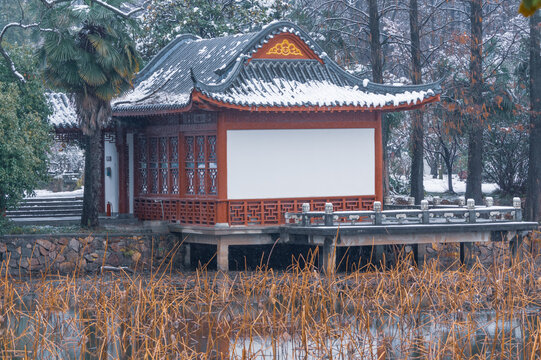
[{"x": 266, "y": 164}]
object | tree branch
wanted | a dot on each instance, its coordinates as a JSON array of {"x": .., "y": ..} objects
[
  {"x": 50, "y": 4},
  {"x": 117, "y": 10},
  {"x": 5, "y": 55}
]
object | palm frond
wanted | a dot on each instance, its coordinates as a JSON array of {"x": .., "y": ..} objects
[
  {"x": 106, "y": 91},
  {"x": 92, "y": 74},
  {"x": 60, "y": 48}
]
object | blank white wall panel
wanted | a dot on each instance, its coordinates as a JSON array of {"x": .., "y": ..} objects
[{"x": 263, "y": 164}]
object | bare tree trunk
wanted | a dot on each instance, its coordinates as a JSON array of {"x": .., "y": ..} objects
[
  {"x": 417, "y": 128},
  {"x": 449, "y": 167},
  {"x": 533, "y": 198},
  {"x": 93, "y": 169},
  {"x": 475, "y": 135},
  {"x": 93, "y": 114},
  {"x": 376, "y": 59},
  {"x": 376, "y": 54}
]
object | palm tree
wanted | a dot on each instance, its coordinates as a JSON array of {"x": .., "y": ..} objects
[{"x": 90, "y": 55}]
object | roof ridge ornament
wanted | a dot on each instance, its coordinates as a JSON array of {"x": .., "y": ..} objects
[{"x": 285, "y": 48}]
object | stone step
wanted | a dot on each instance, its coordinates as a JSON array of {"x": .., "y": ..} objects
[
  {"x": 48, "y": 207},
  {"x": 44, "y": 213},
  {"x": 52, "y": 200}
]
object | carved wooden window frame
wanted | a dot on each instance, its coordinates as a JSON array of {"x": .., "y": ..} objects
[
  {"x": 157, "y": 159},
  {"x": 201, "y": 163}
]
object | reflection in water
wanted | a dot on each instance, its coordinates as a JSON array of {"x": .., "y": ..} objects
[
  {"x": 299, "y": 314},
  {"x": 478, "y": 336},
  {"x": 88, "y": 335}
]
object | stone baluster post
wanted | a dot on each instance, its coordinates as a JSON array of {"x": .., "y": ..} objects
[
  {"x": 377, "y": 216},
  {"x": 518, "y": 208},
  {"x": 305, "y": 210},
  {"x": 329, "y": 214},
  {"x": 472, "y": 217},
  {"x": 425, "y": 214}
]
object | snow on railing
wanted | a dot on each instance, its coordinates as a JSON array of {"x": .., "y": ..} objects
[{"x": 451, "y": 215}]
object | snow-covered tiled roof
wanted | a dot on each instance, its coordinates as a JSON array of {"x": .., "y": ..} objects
[
  {"x": 275, "y": 83},
  {"x": 63, "y": 111},
  {"x": 223, "y": 70}
]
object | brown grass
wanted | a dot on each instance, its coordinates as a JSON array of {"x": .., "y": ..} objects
[{"x": 403, "y": 312}]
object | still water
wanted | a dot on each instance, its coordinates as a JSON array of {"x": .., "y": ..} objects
[{"x": 49, "y": 334}]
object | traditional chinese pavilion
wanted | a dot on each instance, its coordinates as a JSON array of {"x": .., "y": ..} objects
[{"x": 240, "y": 129}]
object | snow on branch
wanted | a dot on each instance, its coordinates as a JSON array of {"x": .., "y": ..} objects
[
  {"x": 105, "y": 4},
  {"x": 117, "y": 11},
  {"x": 3, "y": 52},
  {"x": 49, "y": 4}
]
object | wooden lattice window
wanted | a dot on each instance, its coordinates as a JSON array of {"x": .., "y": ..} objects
[
  {"x": 158, "y": 165},
  {"x": 142, "y": 164},
  {"x": 153, "y": 164},
  {"x": 200, "y": 165},
  {"x": 173, "y": 165}
]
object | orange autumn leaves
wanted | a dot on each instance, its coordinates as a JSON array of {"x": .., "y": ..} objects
[{"x": 529, "y": 7}]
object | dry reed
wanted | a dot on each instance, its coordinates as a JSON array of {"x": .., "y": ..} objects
[{"x": 403, "y": 312}]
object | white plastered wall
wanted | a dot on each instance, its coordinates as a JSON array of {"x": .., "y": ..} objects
[
  {"x": 110, "y": 182},
  {"x": 291, "y": 163}
]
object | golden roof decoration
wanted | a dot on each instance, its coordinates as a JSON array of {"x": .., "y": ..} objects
[{"x": 285, "y": 48}]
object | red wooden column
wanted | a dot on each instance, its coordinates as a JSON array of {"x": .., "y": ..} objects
[
  {"x": 102, "y": 188},
  {"x": 379, "y": 156},
  {"x": 121, "y": 145},
  {"x": 221, "y": 154}
]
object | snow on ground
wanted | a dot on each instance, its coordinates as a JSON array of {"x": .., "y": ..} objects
[
  {"x": 440, "y": 186},
  {"x": 49, "y": 194},
  {"x": 431, "y": 186}
]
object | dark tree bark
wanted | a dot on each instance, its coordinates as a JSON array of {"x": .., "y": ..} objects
[
  {"x": 93, "y": 114},
  {"x": 376, "y": 60},
  {"x": 93, "y": 146},
  {"x": 376, "y": 54},
  {"x": 533, "y": 199},
  {"x": 417, "y": 128},
  {"x": 449, "y": 165},
  {"x": 475, "y": 131}
]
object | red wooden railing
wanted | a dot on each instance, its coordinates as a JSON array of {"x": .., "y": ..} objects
[{"x": 240, "y": 212}]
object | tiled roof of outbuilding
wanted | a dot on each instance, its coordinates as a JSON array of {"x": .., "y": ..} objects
[
  {"x": 64, "y": 115},
  {"x": 223, "y": 71}
]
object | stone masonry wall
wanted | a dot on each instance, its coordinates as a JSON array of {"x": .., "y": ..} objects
[
  {"x": 63, "y": 254},
  {"x": 488, "y": 253}
]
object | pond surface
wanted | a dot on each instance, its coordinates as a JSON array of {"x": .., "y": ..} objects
[
  {"x": 75, "y": 334},
  {"x": 405, "y": 313}
]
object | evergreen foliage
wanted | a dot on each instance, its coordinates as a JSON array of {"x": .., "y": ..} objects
[
  {"x": 167, "y": 19},
  {"x": 23, "y": 129},
  {"x": 91, "y": 55}
]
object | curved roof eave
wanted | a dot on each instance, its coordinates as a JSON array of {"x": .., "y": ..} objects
[{"x": 201, "y": 97}]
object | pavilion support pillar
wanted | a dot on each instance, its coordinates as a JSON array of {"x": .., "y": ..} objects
[
  {"x": 378, "y": 256},
  {"x": 465, "y": 253},
  {"x": 328, "y": 257},
  {"x": 187, "y": 261},
  {"x": 420, "y": 255},
  {"x": 222, "y": 256},
  {"x": 515, "y": 247},
  {"x": 121, "y": 147}
]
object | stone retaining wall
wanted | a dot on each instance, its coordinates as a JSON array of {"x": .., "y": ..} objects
[{"x": 84, "y": 253}]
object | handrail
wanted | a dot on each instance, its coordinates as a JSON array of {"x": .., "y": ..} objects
[{"x": 468, "y": 214}]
